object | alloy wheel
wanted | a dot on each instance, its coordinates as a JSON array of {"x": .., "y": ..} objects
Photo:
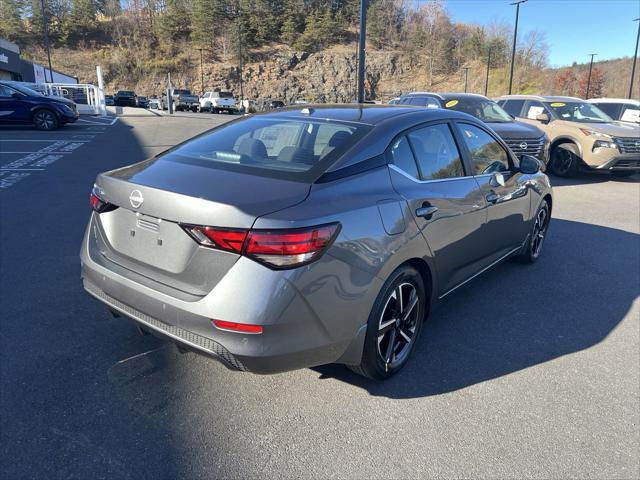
[
  {"x": 562, "y": 160},
  {"x": 397, "y": 324},
  {"x": 539, "y": 232},
  {"x": 44, "y": 120}
]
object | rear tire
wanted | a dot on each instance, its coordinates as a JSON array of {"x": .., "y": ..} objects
[
  {"x": 533, "y": 249},
  {"x": 45, "y": 119},
  {"x": 394, "y": 325},
  {"x": 564, "y": 161}
]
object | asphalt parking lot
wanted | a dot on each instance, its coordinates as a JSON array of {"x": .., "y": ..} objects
[{"x": 527, "y": 372}]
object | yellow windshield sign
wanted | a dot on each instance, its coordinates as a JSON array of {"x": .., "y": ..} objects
[
  {"x": 558, "y": 104},
  {"x": 451, "y": 103}
]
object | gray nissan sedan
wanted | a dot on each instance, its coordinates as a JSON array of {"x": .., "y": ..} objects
[{"x": 311, "y": 235}]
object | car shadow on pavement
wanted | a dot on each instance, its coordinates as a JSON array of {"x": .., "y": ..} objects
[
  {"x": 517, "y": 316},
  {"x": 591, "y": 177}
]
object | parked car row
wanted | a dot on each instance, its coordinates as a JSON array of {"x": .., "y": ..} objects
[{"x": 567, "y": 134}]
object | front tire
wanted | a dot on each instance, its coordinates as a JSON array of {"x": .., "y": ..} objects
[
  {"x": 45, "y": 120},
  {"x": 533, "y": 248},
  {"x": 564, "y": 161},
  {"x": 394, "y": 325}
]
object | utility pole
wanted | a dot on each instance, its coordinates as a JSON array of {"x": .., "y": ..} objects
[
  {"x": 240, "y": 64},
  {"x": 361, "y": 49},
  {"x": 466, "y": 73},
  {"x": 589, "y": 78},
  {"x": 515, "y": 38},
  {"x": 635, "y": 57},
  {"x": 486, "y": 82},
  {"x": 45, "y": 24},
  {"x": 201, "y": 72}
]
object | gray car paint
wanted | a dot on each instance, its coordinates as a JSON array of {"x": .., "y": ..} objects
[{"x": 313, "y": 314}]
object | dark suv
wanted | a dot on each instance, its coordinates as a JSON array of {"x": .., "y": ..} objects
[
  {"x": 22, "y": 105},
  {"x": 522, "y": 138},
  {"x": 125, "y": 98}
]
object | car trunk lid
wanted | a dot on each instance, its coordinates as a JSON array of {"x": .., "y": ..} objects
[{"x": 154, "y": 198}]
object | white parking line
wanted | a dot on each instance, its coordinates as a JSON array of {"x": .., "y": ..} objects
[
  {"x": 10, "y": 153},
  {"x": 34, "y": 140}
]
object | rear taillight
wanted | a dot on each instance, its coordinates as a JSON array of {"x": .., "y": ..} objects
[
  {"x": 229, "y": 240},
  {"x": 97, "y": 203},
  {"x": 286, "y": 248},
  {"x": 276, "y": 249}
]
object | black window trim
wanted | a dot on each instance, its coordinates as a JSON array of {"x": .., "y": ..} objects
[{"x": 450, "y": 123}]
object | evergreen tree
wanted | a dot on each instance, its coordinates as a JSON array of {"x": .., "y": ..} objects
[{"x": 11, "y": 24}]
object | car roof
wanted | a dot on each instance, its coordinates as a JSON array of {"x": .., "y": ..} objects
[
  {"x": 360, "y": 113},
  {"x": 614, "y": 100},
  {"x": 542, "y": 98},
  {"x": 449, "y": 95}
]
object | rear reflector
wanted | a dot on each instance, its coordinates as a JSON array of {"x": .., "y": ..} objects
[
  {"x": 238, "y": 327},
  {"x": 274, "y": 248}
]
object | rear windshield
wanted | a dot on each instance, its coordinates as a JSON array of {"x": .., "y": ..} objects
[
  {"x": 225, "y": 94},
  {"x": 182, "y": 92},
  {"x": 483, "y": 109},
  {"x": 286, "y": 148},
  {"x": 123, "y": 93}
]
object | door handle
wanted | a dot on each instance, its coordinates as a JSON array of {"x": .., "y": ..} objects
[
  {"x": 492, "y": 197},
  {"x": 426, "y": 211}
]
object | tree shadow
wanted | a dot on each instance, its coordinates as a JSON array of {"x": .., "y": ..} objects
[{"x": 519, "y": 316}]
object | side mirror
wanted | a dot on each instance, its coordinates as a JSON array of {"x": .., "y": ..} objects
[
  {"x": 543, "y": 118},
  {"x": 529, "y": 165}
]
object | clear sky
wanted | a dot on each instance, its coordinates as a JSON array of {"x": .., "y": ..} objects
[{"x": 573, "y": 28}]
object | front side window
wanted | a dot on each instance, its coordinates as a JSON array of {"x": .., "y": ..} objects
[
  {"x": 512, "y": 107},
  {"x": 5, "y": 92},
  {"x": 487, "y": 154},
  {"x": 534, "y": 109},
  {"x": 579, "y": 112},
  {"x": 436, "y": 152}
]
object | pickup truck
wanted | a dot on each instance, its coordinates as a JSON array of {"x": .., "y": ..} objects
[
  {"x": 183, "y": 100},
  {"x": 215, "y": 102}
]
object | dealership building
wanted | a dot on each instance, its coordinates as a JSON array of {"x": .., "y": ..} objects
[{"x": 12, "y": 67}]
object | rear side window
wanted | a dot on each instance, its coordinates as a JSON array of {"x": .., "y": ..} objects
[
  {"x": 512, "y": 107},
  {"x": 487, "y": 154},
  {"x": 423, "y": 101},
  {"x": 402, "y": 157},
  {"x": 631, "y": 113},
  {"x": 289, "y": 146},
  {"x": 436, "y": 152}
]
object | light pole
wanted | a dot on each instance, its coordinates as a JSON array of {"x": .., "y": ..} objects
[
  {"x": 466, "y": 74},
  {"x": 361, "y": 48},
  {"x": 486, "y": 82},
  {"x": 515, "y": 38},
  {"x": 201, "y": 72},
  {"x": 635, "y": 57},
  {"x": 45, "y": 24},
  {"x": 589, "y": 78}
]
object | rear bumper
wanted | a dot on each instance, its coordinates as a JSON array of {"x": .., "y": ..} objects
[{"x": 299, "y": 331}]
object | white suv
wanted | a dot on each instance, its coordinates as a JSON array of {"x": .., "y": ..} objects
[{"x": 216, "y": 102}]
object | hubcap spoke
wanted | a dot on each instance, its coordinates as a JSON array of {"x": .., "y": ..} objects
[
  {"x": 404, "y": 335},
  {"x": 412, "y": 303},
  {"x": 391, "y": 346}
]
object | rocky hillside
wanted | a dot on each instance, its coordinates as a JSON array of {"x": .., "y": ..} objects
[{"x": 278, "y": 72}]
